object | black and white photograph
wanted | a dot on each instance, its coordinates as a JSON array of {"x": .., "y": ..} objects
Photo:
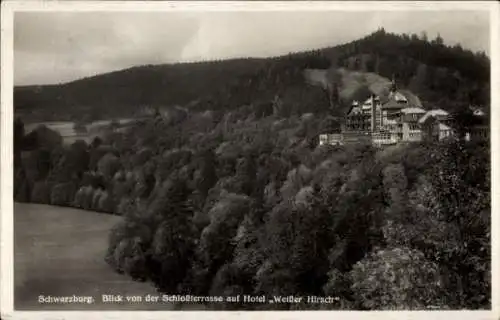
[{"x": 233, "y": 159}]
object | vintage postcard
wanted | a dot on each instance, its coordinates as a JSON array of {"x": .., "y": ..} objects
[{"x": 269, "y": 157}]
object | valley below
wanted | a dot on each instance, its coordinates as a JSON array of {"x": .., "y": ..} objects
[{"x": 59, "y": 252}]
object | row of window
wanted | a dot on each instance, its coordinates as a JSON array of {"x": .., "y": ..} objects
[{"x": 482, "y": 134}]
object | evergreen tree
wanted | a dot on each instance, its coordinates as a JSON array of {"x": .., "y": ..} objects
[{"x": 173, "y": 243}]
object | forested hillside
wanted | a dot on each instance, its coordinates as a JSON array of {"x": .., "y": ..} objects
[
  {"x": 448, "y": 77},
  {"x": 227, "y": 204}
]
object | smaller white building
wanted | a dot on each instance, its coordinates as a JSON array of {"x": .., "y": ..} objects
[
  {"x": 383, "y": 138},
  {"x": 445, "y": 131},
  {"x": 333, "y": 139},
  {"x": 412, "y": 130}
]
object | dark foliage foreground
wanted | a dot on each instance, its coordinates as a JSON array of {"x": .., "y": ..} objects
[{"x": 236, "y": 204}]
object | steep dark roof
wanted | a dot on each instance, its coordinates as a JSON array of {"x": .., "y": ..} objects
[
  {"x": 384, "y": 99},
  {"x": 413, "y": 100},
  {"x": 392, "y": 104},
  {"x": 360, "y": 113}
]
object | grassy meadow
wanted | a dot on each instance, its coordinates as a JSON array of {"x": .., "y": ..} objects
[
  {"x": 69, "y": 135},
  {"x": 59, "y": 251}
]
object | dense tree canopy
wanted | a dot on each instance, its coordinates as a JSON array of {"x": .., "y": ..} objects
[{"x": 256, "y": 209}]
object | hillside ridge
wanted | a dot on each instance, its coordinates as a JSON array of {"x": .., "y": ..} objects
[{"x": 438, "y": 74}]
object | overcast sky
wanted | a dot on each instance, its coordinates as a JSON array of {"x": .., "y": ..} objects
[{"x": 52, "y": 47}]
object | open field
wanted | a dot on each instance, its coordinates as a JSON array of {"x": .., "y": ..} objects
[
  {"x": 66, "y": 129},
  {"x": 60, "y": 252}
]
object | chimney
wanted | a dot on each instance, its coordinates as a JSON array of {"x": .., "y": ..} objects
[
  {"x": 394, "y": 87},
  {"x": 373, "y": 110}
]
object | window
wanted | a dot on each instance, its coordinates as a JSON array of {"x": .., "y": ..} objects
[{"x": 413, "y": 126}]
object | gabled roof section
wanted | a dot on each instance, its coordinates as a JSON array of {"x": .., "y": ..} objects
[
  {"x": 368, "y": 102},
  {"x": 434, "y": 113},
  {"x": 384, "y": 99},
  {"x": 394, "y": 105},
  {"x": 354, "y": 110},
  {"x": 438, "y": 112},
  {"x": 410, "y": 110},
  {"x": 398, "y": 96},
  {"x": 400, "y": 99}
]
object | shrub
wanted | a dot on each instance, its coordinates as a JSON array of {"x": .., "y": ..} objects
[
  {"x": 123, "y": 205},
  {"x": 21, "y": 186},
  {"x": 116, "y": 235},
  {"x": 108, "y": 165},
  {"x": 130, "y": 258},
  {"x": 127, "y": 247},
  {"x": 23, "y": 192},
  {"x": 396, "y": 279},
  {"x": 106, "y": 203},
  {"x": 41, "y": 193},
  {"x": 47, "y": 138},
  {"x": 96, "y": 197},
  {"x": 141, "y": 157},
  {"x": 62, "y": 194},
  {"x": 78, "y": 201},
  {"x": 87, "y": 197}
]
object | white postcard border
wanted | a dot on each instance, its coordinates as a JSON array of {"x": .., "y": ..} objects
[{"x": 6, "y": 160}]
